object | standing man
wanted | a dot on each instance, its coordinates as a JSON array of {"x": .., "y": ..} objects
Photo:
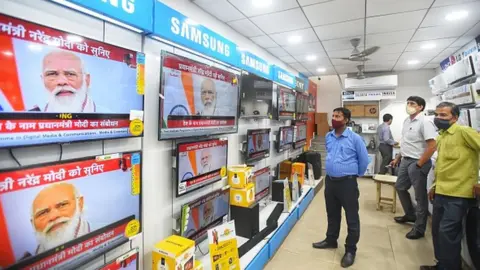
[
  {"x": 386, "y": 142},
  {"x": 456, "y": 174},
  {"x": 416, "y": 148},
  {"x": 347, "y": 158}
]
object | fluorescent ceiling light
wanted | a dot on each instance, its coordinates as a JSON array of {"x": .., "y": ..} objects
[
  {"x": 294, "y": 39},
  {"x": 74, "y": 38},
  {"x": 191, "y": 22},
  {"x": 321, "y": 69},
  {"x": 261, "y": 3},
  {"x": 456, "y": 15},
  {"x": 413, "y": 62},
  {"x": 311, "y": 57},
  {"x": 429, "y": 46},
  {"x": 7, "y": 53}
]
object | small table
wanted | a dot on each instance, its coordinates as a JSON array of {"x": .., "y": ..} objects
[{"x": 387, "y": 180}]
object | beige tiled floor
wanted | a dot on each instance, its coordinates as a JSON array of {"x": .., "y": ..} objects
[{"x": 382, "y": 243}]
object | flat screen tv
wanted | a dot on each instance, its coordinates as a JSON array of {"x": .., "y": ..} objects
[
  {"x": 128, "y": 261},
  {"x": 200, "y": 163},
  {"x": 286, "y": 103},
  {"x": 285, "y": 138},
  {"x": 256, "y": 96},
  {"x": 58, "y": 87},
  {"x": 196, "y": 99},
  {"x": 299, "y": 134},
  {"x": 262, "y": 183},
  {"x": 204, "y": 213},
  {"x": 301, "y": 106},
  {"x": 258, "y": 144},
  {"x": 64, "y": 214}
]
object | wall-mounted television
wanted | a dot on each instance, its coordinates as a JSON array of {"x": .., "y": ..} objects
[
  {"x": 262, "y": 183},
  {"x": 206, "y": 212},
  {"x": 196, "y": 99},
  {"x": 128, "y": 261},
  {"x": 258, "y": 144},
  {"x": 200, "y": 163},
  {"x": 299, "y": 134},
  {"x": 58, "y": 87},
  {"x": 301, "y": 106},
  {"x": 284, "y": 138},
  {"x": 256, "y": 96},
  {"x": 286, "y": 103},
  {"x": 64, "y": 214}
]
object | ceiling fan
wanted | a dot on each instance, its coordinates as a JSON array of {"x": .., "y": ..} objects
[{"x": 359, "y": 56}]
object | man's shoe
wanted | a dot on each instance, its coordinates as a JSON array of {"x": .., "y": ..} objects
[
  {"x": 348, "y": 259},
  {"x": 324, "y": 244},
  {"x": 428, "y": 267},
  {"x": 414, "y": 234},
  {"x": 404, "y": 219}
]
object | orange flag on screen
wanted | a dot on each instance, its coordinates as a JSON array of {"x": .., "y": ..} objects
[
  {"x": 192, "y": 157},
  {"x": 187, "y": 82},
  {"x": 9, "y": 83}
]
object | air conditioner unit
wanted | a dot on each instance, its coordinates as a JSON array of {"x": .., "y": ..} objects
[
  {"x": 438, "y": 84},
  {"x": 372, "y": 83}
]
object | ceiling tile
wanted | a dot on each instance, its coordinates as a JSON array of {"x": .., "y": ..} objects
[
  {"x": 342, "y": 62},
  {"x": 338, "y": 44},
  {"x": 335, "y": 11},
  {"x": 431, "y": 66},
  {"x": 387, "y": 66},
  {"x": 328, "y": 70},
  {"x": 264, "y": 41},
  {"x": 405, "y": 67},
  {"x": 422, "y": 56},
  {"x": 379, "y": 57},
  {"x": 436, "y": 16},
  {"x": 462, "y": 41},
  {"x": 390, "y": 38},
  {"x": 440, "y": 44},
  {"x": 277, "y": 22},
  {"x": 278, "y": 52},
  {"x": 307, "y": 36},
  {"x": 393, "y": 48},
  {"x": 447, "y": 52},
  {"x": 288, "y": 59},
  {"x": 221, "y": 9},
  {"x": 444, "y": 31},
  {"x": 395, "y": 22},
  {"x": 437, "y": 60},
  {"x": 246, "y": 28},
  {"x": 306, "y": 48},
  {"x": 311, "y": 2},
  {"x": 474, "y": 31},
  {"x": 249, "y": 9},
  {"x": 323, "y": 61},
  {"x": 298, "y": 67},
  {"x": 340, "y": 30},
  {"x": 439, "y": 3},
  {"x": 342, "y": 53},
  {"x": 382, "y": 7},
  {"x": 346, "y": 69}
]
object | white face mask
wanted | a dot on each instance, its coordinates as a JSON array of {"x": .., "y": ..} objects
[{"x": 411, "y": 110}]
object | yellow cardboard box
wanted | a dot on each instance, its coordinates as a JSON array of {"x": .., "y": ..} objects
[
  {"x": 174, "y": 253},
  {"x": 198, "y": 265},
  {"x": 299, "y": 169},
  {"x": 243, "y": 197},
  {"x": 239, "y": 176}
]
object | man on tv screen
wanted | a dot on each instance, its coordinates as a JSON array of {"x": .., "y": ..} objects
[
  {"x": 205, "y": 161},
  {"x": 208, "y": 211},
  {"x": 208, "y": 94},
  {"x": 57, "y": 212}
]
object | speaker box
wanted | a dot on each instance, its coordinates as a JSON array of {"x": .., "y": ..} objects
[
  {"x": 277, "y": 190},
  {"x": 246, "y": 220}
]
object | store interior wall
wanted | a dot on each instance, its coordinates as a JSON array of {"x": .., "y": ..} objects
[{"x": 329, "y": 93}]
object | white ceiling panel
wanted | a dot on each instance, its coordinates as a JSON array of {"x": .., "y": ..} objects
[
  {"x": 278, "y": 22},
  {"x": 387, "y": 66},
  {"x": 419, "y": 55},
  {"x": 437, "y": 60},
  {"x": 342, "y": 53},
  {"x": 328, "y": 71},
  {"x": 335, "y": 11},
  {"x": 444, "y": 31},
  {"x": 308, "y": 35},
  {"x": 382, "y": 7},
  {"x": 346, "y": 69},
  {"x": 340, "y": 30},
  {"x": 221, "y": 9},
  {"x": 431, "y": 66},
  {"x": 311, "y": 2},
  {"x": 379, "y": 57},
  {"x": 288, "y": 59},
  {"x": 439, "y": 44},
  {"x": 249, "y": 9},
  {"x": 395, "y": 22},
  {"x": 278, "y": 52},
  {"x": 474, "y": 31},
  {"x": 264, "y": 41},
  {"x": 462, "y": 41},
  {"x": 306, "y": 48},
  {"x": 298, "y": 67},
  {"x": 436, "y": 16},
  {"x": 341, "y": 62},
  {"x": 439, "y": 3},
  {"x": 338, "y": 44},
  {"x": 322, "y": 61},
  {"x": 390, "y": 38},
  {"x": 246, "y": 28},
  {"x": 405, "y": 67},
  {"x": 447, "y": 52}
]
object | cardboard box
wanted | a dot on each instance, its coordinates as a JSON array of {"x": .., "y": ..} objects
[
  {"x": 371, "y": 110},
  {"x": 323, "y": 124},
  {"x": 285, "y": 169},
  {"x": 243, "y": 197},
  {"x": 198, "y": 265},
  {"x": 239, "y": 176},
  {"x": 175, "y": 253},
  {"x": 299, "y": 169},
  {"x": 357, "y": 110}
]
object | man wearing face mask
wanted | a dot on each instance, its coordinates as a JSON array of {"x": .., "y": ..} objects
[
  {"x": 416, "y": 148},
  {"x": 456, "y": 174},
  {"x": 347, "y": 158}
]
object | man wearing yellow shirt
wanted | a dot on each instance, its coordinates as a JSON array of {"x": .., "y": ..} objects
[{"x": 456, "y": 174}]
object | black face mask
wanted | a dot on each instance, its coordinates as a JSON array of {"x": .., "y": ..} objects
[{"x": 442, "y": 124}]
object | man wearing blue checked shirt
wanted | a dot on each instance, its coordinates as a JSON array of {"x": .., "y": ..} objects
[{"x": 347, "y": 159}]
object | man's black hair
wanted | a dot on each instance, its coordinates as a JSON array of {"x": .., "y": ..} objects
[
  {"x": 420, "y": 101},
  {"x": 346, "y": 113},
  {"x": 387, "y": 117},
  {"x": 453, "y": 107}
]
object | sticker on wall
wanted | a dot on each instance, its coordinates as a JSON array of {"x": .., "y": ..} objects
[{"x": 136, "y": 127}]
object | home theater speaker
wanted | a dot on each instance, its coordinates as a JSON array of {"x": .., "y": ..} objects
[{"x": 246, "y": 220}]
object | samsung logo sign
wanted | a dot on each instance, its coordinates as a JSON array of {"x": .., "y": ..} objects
[
  {"x": 126, "y": 5},
  {"x": 285, "y": 77},
  {"x": 300, "y": 84},
  {"x": 193, "y": 34},
  {"x": 255, "y": 64}
]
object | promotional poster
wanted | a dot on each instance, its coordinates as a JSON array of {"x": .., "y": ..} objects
[
  {"x": 301, "y": 106},
  {"x": 262, "y": 183},
  {"x": 200, "y": 163},
  {"x": 223, "y": 247},
  {"x": 58, "y": 87},
  {"x": 286, "y": 103},
  {"x": 300, "y": 134},
  {"x": 258, "y": 144},
  {"x": 58, "y": 216},
  {"x": 285, "y": 138},
  {"x": 128, "y": 261},
  {"x": 203, "y": 213},
  {"x": 196, "y": 99},
  {"x": 256, "y": 96}
]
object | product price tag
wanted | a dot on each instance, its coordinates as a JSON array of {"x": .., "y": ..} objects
[
  {"x": 223, "y": 171},
  {"x": 132, "y": 229},
  {"x": 136, "y": 127},
  {"x": 140, "y": 73},
  {"x": 136, "y": 179}
]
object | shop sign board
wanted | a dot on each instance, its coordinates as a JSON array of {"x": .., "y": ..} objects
[
  {"x": 178, "y": 28},
  {"x": 368, "y": 95},
  {"x": 284, "y": 77},
  {"x": 254, "y": 64},
  {"x": 300, "y": 84}
]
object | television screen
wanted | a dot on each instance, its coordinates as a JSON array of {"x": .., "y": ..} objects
[
  {"x": 200, "y": 163},
  {"x": 128, "y": 261},
  {"x": 204, "y": 213},
  {"x": 300, "y": 135},
  {"x": 196, "y": 99},
  {"x": 311, "y": 102},
  {"x": 256, "y": 96},
  {"x": 57, "y": 87},
  {"x": 301, "y": 106},
  {"x": 286, "y": 103},
  {"x": 262, "y": 183},
  {"x": 62, "y": 215},
  {"x": 258, "y": 141},
  {"x": 284, "y": 138}
]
